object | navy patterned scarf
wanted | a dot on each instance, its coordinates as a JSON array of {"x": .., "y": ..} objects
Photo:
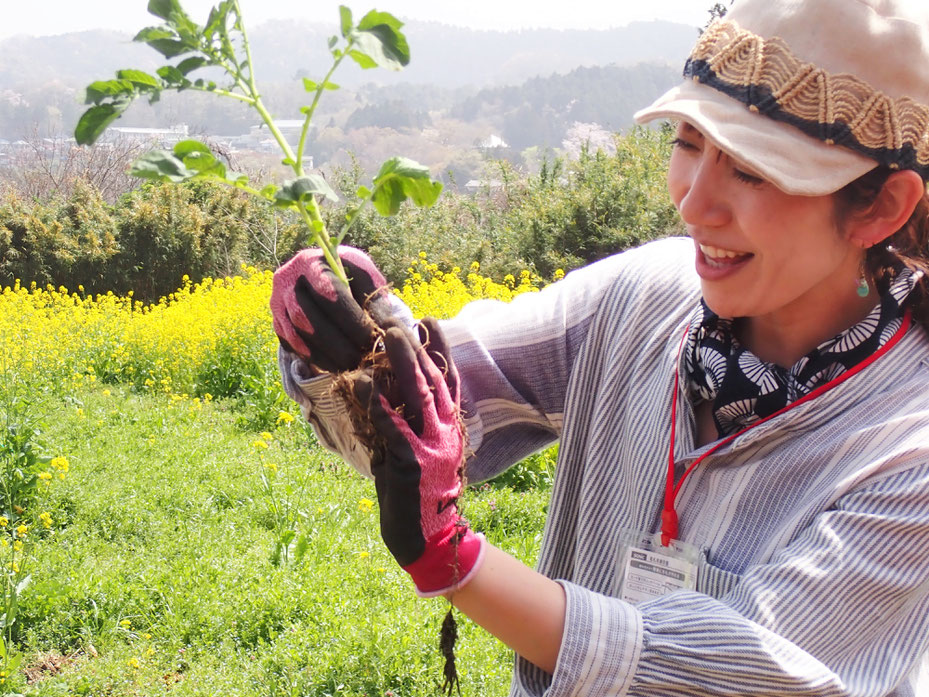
[{"x": 744, "y": 389}]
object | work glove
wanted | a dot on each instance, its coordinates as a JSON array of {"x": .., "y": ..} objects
[
  {"x": 418, "y": 475},
  {"x": 323, "y": 331},
  {"x": 323, "y": 321}
]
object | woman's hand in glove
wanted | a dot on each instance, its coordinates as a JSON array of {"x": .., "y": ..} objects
[
  {"x": 323, "y": 321},
  {"x": 419, "y": 475}
]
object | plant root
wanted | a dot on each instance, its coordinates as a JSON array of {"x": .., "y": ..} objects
[{"x": 376, "y": 366}]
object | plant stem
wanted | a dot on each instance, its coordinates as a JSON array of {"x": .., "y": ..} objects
[
  {"x": 309, "y": 210},
  {"x": 312, "y": 108}
]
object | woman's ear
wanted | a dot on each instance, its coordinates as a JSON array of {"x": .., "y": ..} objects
[{"x": 891, "y": 209}]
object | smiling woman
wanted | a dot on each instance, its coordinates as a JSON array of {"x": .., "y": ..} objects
[{"x": 743, "y": 414}]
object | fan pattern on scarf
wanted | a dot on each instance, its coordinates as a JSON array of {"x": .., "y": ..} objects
[{"x": 744, "y": 389}]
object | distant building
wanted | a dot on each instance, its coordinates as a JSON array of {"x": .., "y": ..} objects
[
  {"x": 166, "y": 137},
  {"x": 475, "y": 185},
  {"x": 492, "y": 142}
]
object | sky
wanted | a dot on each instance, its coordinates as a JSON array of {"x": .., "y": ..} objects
[{"x": 46, "y": 17}]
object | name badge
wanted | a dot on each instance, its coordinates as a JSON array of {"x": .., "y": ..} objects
[{"x": 647, "y": 569}]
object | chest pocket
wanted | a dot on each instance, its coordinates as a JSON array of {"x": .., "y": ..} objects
[{"x": 713, "y": 581}]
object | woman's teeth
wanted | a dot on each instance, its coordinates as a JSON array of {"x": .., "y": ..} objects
[{"x": 722, "y": 256}]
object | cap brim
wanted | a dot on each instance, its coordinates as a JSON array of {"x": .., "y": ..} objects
[{"x": 793, "y": 161}]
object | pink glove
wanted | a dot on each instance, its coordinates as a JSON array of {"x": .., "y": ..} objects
[
  {"x": 319, "y": 318},
  {"x": 419, "y": 476}
]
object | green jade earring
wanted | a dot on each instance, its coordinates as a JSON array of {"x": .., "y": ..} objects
[{"x": 863, "y": 287}]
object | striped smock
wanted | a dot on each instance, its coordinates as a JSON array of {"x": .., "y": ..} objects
[{"x": 813, "y": 526}]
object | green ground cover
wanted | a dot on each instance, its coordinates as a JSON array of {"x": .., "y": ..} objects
[{"x": 160, "y": 575}]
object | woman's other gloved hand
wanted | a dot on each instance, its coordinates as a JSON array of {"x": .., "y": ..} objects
[{"x": 418, "y": 477}]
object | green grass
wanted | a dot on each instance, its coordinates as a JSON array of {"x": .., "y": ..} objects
[{"x": 159, "y": 577}]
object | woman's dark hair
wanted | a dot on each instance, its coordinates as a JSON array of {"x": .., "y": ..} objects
[{"x": 908, "y": 247}]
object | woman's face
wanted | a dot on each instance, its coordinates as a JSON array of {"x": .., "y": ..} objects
[{"x": 761, "y": 253}]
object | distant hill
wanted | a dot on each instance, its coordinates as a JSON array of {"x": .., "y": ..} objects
[
  {"x": 530, "y": 87},
  {"x": 442, "y": 55}
]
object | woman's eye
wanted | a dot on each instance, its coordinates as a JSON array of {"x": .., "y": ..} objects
[
  {"x": 747, "y": 178},
  {"x": 683, "y": 144}
]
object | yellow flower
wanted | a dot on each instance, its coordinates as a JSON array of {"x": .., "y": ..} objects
[
  {"x": 4, "y": 521},
  {"x": 18, "y": 545},
  {"x": 365, "y": 505},
  {"x": 106, "y": 393},
  {"x": 363, "y": 555},
  {"x": 5, "y": 543},
  {"x": 259, "y": 444},
  {"x": 266, "y": 436},
  {"x": 126, "y": 623},
  {"x": 45, "y": 476},
  {"x": 285, "y": 417},
  {"x": 59, "y": 463},
  {"x": 22, "y": 529},
  {"x": 134, "y": 662},
  {"x": 46, "y": 519},
  {"x": 271, "y": 466}
]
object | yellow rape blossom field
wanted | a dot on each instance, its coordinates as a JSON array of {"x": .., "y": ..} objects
[
  {"x": 201, "y": 340},
  {"x": 167, "y": 522}
]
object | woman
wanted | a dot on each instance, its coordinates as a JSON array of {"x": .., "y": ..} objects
[{"x": 741, "y": 503}]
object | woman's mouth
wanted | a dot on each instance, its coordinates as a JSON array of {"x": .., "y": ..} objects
[{"x": 719, "y": 257}]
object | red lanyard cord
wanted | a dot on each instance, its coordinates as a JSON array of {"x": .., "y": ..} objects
[{"x": 669, "y": 519}]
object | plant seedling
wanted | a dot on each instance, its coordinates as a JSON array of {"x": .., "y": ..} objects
[{"x": 375, "y": 41}]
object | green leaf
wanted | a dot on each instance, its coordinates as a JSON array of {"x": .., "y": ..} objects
[
  {"x": 382, "y": 43},
  {"x": 345, "y": 15},
  {"x": 172, "y": 76},
  {"x": 170, "y": 41},
  {"x": 107, "y": 89},
  {"x": 311, "y": 86},
  {"x": 363, "y": 193},
  {"x": 164, "y": 8},
  {"x": 301, "y": 547},
  {"x": 13, "y": 664},
  {"x": 188, "y": 65},
  {"x": 154, "y": 34},
  {"x": 186, "y": 147},
  {"x": 160, "y": 165},
  {"x": 139, "y": 79},
  {"x": 333, "y": 40},
  {"x": 170, "y": 48},
  {"x": 376, "y": 19},
  {"x": 363, "y": 59},
  {"x": 201, "y": 162},
  {"x": 218, "y": 19},
  {"x": 94, "y": 121},
  {"x": 302, "y": 188},
  {"x": 399, "y": 179},
  {"x": 269, "y": 191}
]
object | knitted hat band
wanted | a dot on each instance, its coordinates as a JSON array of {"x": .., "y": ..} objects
[{"x": 838, "y": 109}]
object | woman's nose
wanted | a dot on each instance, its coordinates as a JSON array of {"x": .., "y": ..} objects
[{"x": 703, "y": 201}]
